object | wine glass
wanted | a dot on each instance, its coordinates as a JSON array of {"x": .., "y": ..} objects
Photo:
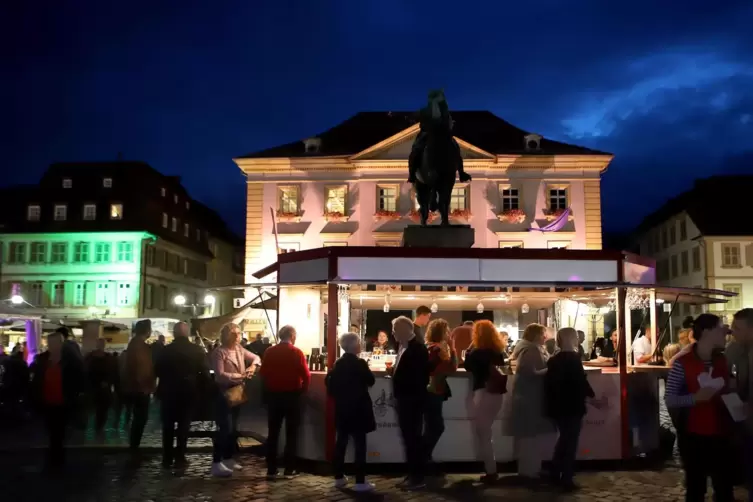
[{"x": 597, "y": 351}]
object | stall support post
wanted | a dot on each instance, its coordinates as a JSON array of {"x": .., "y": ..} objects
[
  {"x": 625, "y": 435},
  {"x": 33, "y": 339},
  {"x": 332, "y": 316},
  {"x": 652, "y": 320}
]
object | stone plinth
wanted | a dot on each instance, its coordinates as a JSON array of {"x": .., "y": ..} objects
[{"x": 435, "y": 236}]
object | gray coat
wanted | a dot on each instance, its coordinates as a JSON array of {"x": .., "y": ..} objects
[{"x": 528, "y": 417}]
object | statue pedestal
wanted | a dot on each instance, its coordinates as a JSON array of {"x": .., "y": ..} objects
[{"x": 435, "y": 236}]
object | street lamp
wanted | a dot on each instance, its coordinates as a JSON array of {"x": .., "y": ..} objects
[
  {"x": 209, "y": 300},
  {"x": 179, "y": 300},
  {"x": 17, "y": 299}
]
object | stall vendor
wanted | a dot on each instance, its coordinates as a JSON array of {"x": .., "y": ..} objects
[
  {"x": 642, "y": 351},
  {"x": 382, "y": 343}
]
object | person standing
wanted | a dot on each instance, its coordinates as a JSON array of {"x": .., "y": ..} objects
[
  {"x": 139, "y": 381},
  {"x": 100, "y": 372},
  {"x": 420, "y": 322},
  {"x": 704, "y": 426},
  {"x": 642, "y": 351},
  {"x": 581, "y": 342},
  {"x": 739, "y": 354},
  {"x": 182, "y": 371},
  {"x": 485, "y": 355},
  {"x": 348, "y": 384},
  {"x": 443, "y": 362},
  {"x": 410, "y": 378},
  {"x": 158, "y": 347},
  {"x": 566, "y": 389},
  {"x": 57, "y": 379},
  {"x": 285, "y": 378}
]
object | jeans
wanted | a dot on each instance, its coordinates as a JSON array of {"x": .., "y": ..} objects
[
  {"x": 566, "y": 448},
  {"x": 56, "y": 421},
  {"x": 485, "y": 408},
  {"x": 101, "y": 398},
  {"x": 176, "y": 422},
  {"x": 410, "y": 415},
  {"x": 140, "y": 406},
  {"x": 225, "y": 437},
  {"x": 283, "y": 406},
  {"x": 433, "y": 423},
  {"x": 707, "y": 457},
  {"x": 341, "y": 445}
]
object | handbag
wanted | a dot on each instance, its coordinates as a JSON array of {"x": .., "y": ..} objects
[
  {"x": 236, "y": 395},
  {"x": 497, "y": 381}
]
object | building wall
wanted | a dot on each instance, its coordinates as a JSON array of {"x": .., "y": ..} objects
[{"x": 733, "y": 278}]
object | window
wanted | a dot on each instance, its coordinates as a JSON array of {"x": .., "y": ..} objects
[
  {"x": 163, "y": 192},
  {"x": 387, "y": 197},
  {"x": 509, "y": 198},
  {"x": 174, "y": 224},
  {"x": 102, "y": 252},
  {"x": 116, "y": 211},
  {"x": 673, "y": 260},
  {"x": 59, "y": 252},
  {"x": 558, "y": 244},
  {"x": 33, "y": 212},
  {"x": 125, "y": 251},
  {"x": 18, "y": 252},
  {"x": 696, "y": 258},
  {"x": 335, "y": 199},
  {"x": 124, "y": 293},
  {"x": 175, "y": 199},
  {"x": 664, "y": 238},
  {"x": 734, "y": 303},
  {"x": 175, "y": 263},
  {"x": 103, "y": 294},
  {"x": 186, "y": 230},
  {"x": 151, "y": 252},
  {"x": 81, "y": 252},
  {"x": 185, "y": 266},
  {"x": 557, "y": 198},
  {"x": 459, "y": 199},
  {"x": 511, "y": 244},
  {"x": 684, "y": 265},
  {"x": 107, "y": 182},
  {"x": 79, "y": 294},
  {"x": 164, "y": 220},
  {"x": 90, "y": 212},
  {"x": 731, "y": 255},
  {"x": 335, "y": 244},
  {"x": 188, "y": 205},
  {"x": 672, "y": 235},
  {"x": 67, "y": 183},
  {"x": 288, "y": 199},
  {"x": 37, "y": 294},
  {"x": 289, "y": 247},
  {"x": 38, "y": 252},
  {"x": 60, "y": 212},
  {"x": 149, "y": 295},
  {"x": 58, "y": 294},
  {"x": 163, "y": 297},
  {"x": 683, "y": 230},
  {"x": 162, "y": 259}
]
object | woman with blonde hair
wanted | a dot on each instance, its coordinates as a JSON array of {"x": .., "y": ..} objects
[
  {"x": 482, "y": 360},
  {"x": 529, "y": 423},
  {"x": 443, "y": 361}
]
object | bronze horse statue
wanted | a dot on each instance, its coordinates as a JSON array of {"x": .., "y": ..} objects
[{"x": 435, "y": 160}]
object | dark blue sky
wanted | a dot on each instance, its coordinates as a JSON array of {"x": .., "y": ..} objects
[{"x": 666, "y": 85}]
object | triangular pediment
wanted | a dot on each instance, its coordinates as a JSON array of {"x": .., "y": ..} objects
[{"x": 398, "y": 147}]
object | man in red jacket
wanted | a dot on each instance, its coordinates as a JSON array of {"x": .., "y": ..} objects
[{"x": 286, "y": 378}]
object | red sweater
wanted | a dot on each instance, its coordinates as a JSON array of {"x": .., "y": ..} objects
[{"x": 284, "y": 369}]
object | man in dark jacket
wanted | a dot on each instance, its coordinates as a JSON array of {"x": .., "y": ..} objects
[
  {"x": 410, "y": 378},
  {"x": 182, "y": 370}
]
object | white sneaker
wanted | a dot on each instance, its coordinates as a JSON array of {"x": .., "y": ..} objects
[
  {"x": 232, "y": 465},
  {"x": 364, "y": 487},
  {"x": 341, "y": 483},
  {"x": 220, "y": 471}
]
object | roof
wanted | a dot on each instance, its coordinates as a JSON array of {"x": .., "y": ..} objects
[
  {"x": 718, "y": 206},
  {"x": 482, "y": 129},
  {"x": 215, "y": 224}
]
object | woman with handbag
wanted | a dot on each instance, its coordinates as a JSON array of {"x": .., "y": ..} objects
[
  {"x": 443, "y": 361},
  {"x": 233, "y": 366},
  {"x": 483, "y": 360}
]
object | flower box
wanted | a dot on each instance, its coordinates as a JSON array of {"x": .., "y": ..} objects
[
  {"x": 382, "y": 215},
  {"x": 283, "y": 217},
  {"x": 512, "y": 216},
  {"x": 551, "y": 215},
  {"x": 415, "y": 215},
  {"x": 335, "y": 217},
  {"x": 460, "y": 214}
]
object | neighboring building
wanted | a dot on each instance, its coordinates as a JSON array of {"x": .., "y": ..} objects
[
  {"x": 117, "y": 241},
  {"x": 703, "y": 238},
  {"x": 347, "y": 186}
]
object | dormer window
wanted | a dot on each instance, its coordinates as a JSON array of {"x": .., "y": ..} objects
[
  {"x": 107, "y": 182},
  {"x": 312, "y": 145},
  {"x": 33, "y": 212},
  {"x": 532, "y": 142},
  {"x": 188, "y": 205},
  {"x": 67, "y": 183},
  {"x": 163, "y": 192},
  {"x": 175, "y": 199}
]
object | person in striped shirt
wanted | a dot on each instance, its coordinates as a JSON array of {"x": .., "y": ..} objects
[{"x": 695, "y": 384}]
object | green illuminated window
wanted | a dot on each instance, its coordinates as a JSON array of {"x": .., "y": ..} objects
[
  {"x": 81, "y": 252},
  {"x": 102, "y": 252},
  {"x": 124, "y": 293},
  {"x": 18, "y": 252},
  {"x": 79, "y": 294},
  {"x": 125, "y": 251},
  {"x": 38, "y": 252},
  {"x": 58, "y": 294},
  {"x": 59, "y": 252},
  {"x": 103, "y": 294}
]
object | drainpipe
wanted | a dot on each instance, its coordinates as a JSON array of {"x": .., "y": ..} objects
[{"x": 145, "y": 242}]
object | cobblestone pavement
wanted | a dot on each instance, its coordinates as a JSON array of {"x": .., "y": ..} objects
[{"x": 99, "y": 476}]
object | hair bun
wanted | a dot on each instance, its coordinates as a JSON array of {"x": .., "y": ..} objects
[{"x": 688, "y": 322}]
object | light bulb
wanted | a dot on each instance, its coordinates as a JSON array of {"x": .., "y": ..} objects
[
  {"x": 434, "y": 308},
  {"x": 524, "y": 308},
  {"x": 386, "y": 307},
  {"x": 480, "y": 308}
]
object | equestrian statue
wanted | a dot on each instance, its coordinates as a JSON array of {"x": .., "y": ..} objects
[{"x": 435, "y": 160}]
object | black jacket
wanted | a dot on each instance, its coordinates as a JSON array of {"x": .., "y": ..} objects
[
  {"x": 72, "y": 373},
  {"x": 411, "y": 376},
  {"x": 566, "y": 386},
  {"x": 479, "y": 361},
  {"x": 348, "y": 384},
  {"x": 182, "y": 370}
]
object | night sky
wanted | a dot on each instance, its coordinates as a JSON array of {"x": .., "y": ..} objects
[{"x": 666, "y": 85}]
